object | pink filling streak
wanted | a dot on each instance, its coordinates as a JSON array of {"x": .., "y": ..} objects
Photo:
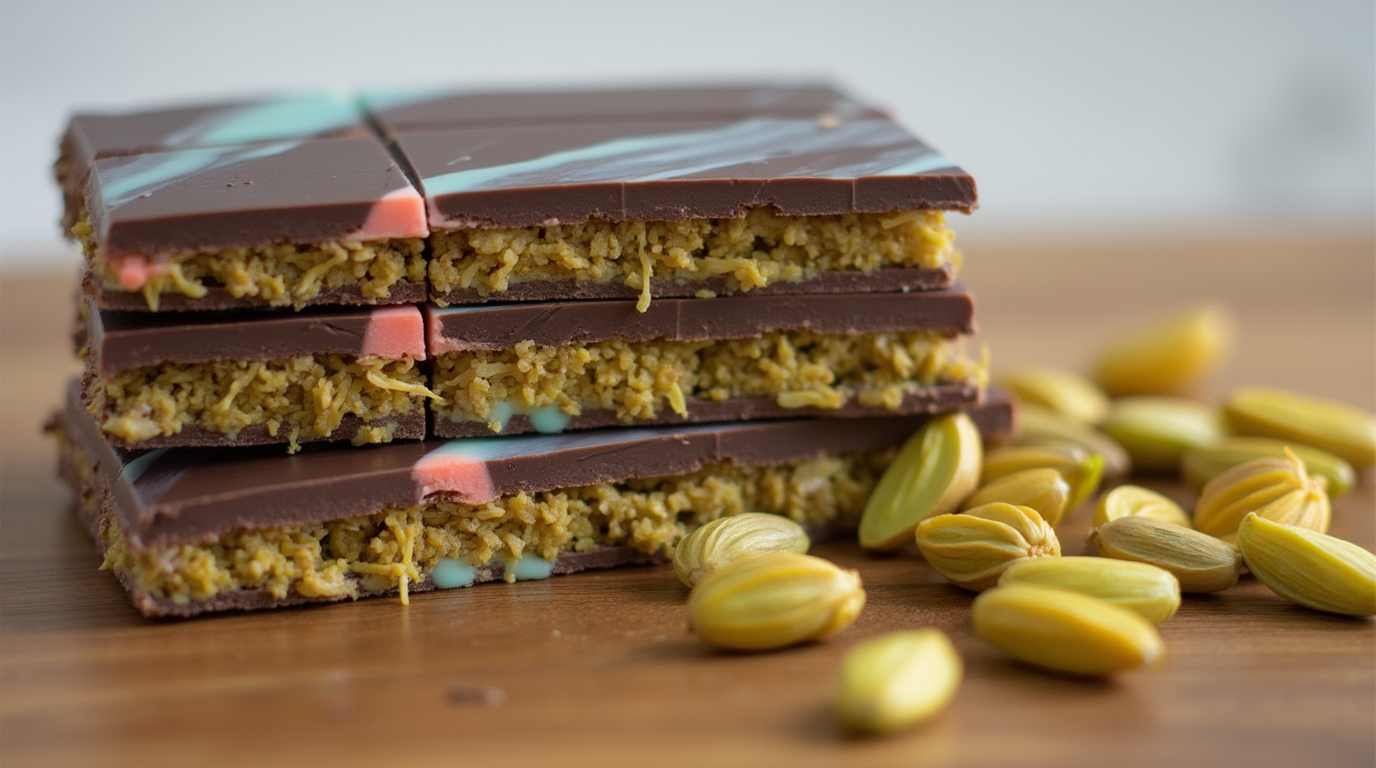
[
  {"x": 400, "y": 213},
  {"x": 395, "y": 332},
  {"x": 466, "y": 478}
]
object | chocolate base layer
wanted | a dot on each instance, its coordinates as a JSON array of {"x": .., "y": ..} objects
[
  {"x": 410, "y": 426},
  {"x": 937, "y": 399},
  {"x": 219, "y": 298},
  {"x": 881, "y": 281}
]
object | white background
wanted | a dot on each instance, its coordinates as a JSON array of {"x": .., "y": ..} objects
[{"x": 1081, "y": 117}]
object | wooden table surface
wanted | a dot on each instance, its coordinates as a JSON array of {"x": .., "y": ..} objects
[{"x": 599, "y": 667}]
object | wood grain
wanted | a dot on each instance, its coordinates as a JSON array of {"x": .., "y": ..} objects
[{"x": 600, "y": 667}]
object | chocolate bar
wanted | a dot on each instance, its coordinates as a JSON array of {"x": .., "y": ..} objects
[
  {"x": 91, "y": 136},
  {"x": 192, "y": 531},
  {"x": 577, "y": 365},
  {"x": 252, "y": 378},
  {"x": 531, "y": 196},
  {"x": 684, "y": 207},
  {"x": 280, "y": 223}
]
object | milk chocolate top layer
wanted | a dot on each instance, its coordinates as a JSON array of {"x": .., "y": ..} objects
[
  {"x": 542, "y": 174},
  {"x": 214, "y": 198},
  {"x": 397, "y": 111},
  {"x": 92, "y": 136},
  {"x": 120, "y": 341},
  {"x": 731, "y": 317},
  {"x": 194, "y": 495}
]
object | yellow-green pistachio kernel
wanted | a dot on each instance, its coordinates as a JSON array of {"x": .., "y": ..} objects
[
  {"x": 1155, "y": 431},
  {"x": 1068, "y": 394},
  {"x": 972, "y": 549},
  {"x": 1202, "y": 464},
  {"x": 772, "y": 601},
  {"x": 934, "y": 472},
  {"x": 728, "y": 539},
  {"x": 898, "y": 680},
  {"x": 1065, "y": 631},
  {"x": 1134, "y": 500},
  {"x": 1200, "y": 562},
  {"x": 1310, "y": 568},
  {"x": 1080, "y": 468},
  {"x": 1168, "y": 356},
  {"x": 1147, "y": 589},
  {"x": 1043, "y": 490},
  {"x": 1346, "y": 432},
  {"x": 1038, "y": 426}
]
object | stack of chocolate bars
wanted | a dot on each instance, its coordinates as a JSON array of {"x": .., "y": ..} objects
[{"x": 341, "y": 348}]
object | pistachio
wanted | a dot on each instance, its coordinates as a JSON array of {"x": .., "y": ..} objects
[
  {"x": 1199, "y": 562},
  {"x": 1279, "y": 489},
  {"x": 1168, "y": 356},
  {"x": 933, "y": 473},
  {"x": 1062, "y": 392},
  {"x": 727, "y": 539},
  {"x": 1133, "y": 501},
  {"x": 1043, "y": 490},
  {"x": 775, "y": 600},
  {"x": 1200, "y": 465},
  {"x": 1065, "y": 631},
  {"x": 1038, "y": 426},
  {"x": 1310, "y": 568},
  {"x": 973, "y": 548},
  {"x": 1346, "y": 432},
  {"x": 1080, "y": 468},
  {"x": 1146, "y": 589},
  {"x": 898, "y": 680},
  {"x": 1155, "y": 431}
]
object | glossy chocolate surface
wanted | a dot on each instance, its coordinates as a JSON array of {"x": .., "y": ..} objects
[
  {"x": 120, "y": 341},
  {"x": 214, "y": 198},
  {"x": 542, "y": 174},
  {"x": 92, "y": 135},
  {"x": 502, "y": 326}
]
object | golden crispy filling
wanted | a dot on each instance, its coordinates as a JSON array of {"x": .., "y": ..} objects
[
  {"x": 282, "y": 275},
  {"x": 375, "y": 553},
  {"x": 639, "y": 379},
  {"x": 305, "y": 396},
  {"x": 749, "y": 252}
]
